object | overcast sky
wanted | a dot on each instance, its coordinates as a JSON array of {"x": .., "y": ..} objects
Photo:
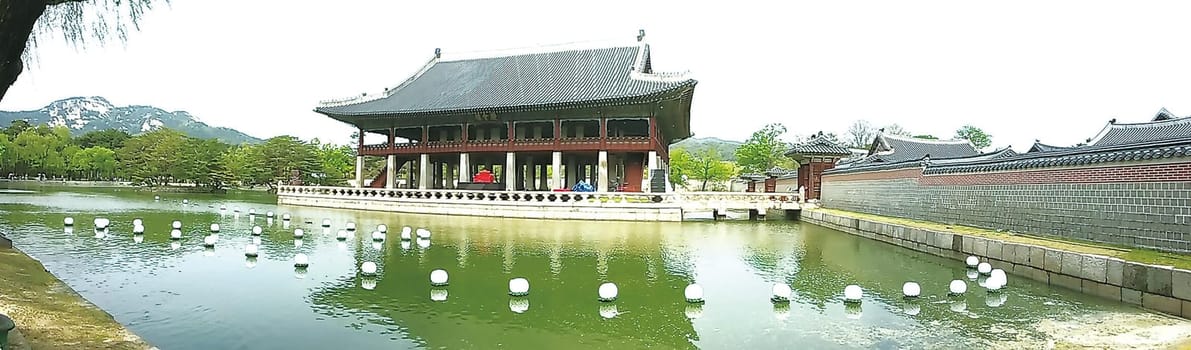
[{"x": 1021, "y": 70}]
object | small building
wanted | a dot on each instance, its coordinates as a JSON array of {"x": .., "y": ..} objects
[
  {"x": 813, "y": 157},
  {"x": 538, "y": 120}
]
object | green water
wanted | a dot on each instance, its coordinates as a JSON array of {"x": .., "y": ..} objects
[{"x": 179, "y": 295}]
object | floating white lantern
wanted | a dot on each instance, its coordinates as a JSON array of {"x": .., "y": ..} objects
[
  {"x": 368, "y": 268},
  {"x": 342, "y": 236},
  {"x": 222, "y": 207},
  {"x": 518, "y": 305},
  {"x": 853, "y": 293},
  {"x": 378, "y": 236},
  {"x": 177, "y": 225},
  {"x": 423, "y": 233},
  {"x": 351, "y": 226},
  {"x": 300, "y": 260},
  {"x": 519, "y": 287},
  {"x": 438, "y": 294},
  {"x": 1000, "y": 274},
  {"x": 972, "y": 261},
  {"x": 958, "y": 287},
  {"x": 298, "y": 233},
  {"x": 185, "y": 201},
  {"x": 175, "y": 234},
  {"x": 694, "y": 311},
  {"x": 911, "y": 289},
  {"x": 406, "y": 233},
  {"x": 251, "y": 211},
  {"x": 256, "y": 230},
  {"x": 156, "y": 198},
  {"x": 423, "y": 243},
  {"x": 608, "y": 291},
  {"x": 102, "y": 223},
  {"x": 138, "y": 238},
  {"x": 608, "y": 311},
  {"x": 781, "y": 293},
  {"x": 251, "y": 250},
  {"x": 269, "y": 214},
  {"x": 382, "y": 228},
  {"x": 994, "y": 283},
  {"x": 326, "y": 222},
  {"x": 137, "y": 222},
  {"x": 984, "y": 268},
  {"x": 235, "y": 209},
  {"x": 138, "y": 229},
  {"x": 368, "y": 283},
  {"x": 438, "y": 277},
  {"x": 68, "y": 221},
  {"x": 214, "y": 227},
  {"x": 693, "y": 293},
  {"x": 285, "y": 217},
  {"x": 209, "y": 241}
]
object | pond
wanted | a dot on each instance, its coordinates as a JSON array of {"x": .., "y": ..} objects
[{"x": 177, "y": 294}]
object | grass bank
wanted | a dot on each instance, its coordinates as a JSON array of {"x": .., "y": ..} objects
[
  {"x": 1147, "y": 256},
  {"x": 50, "y": 315}
]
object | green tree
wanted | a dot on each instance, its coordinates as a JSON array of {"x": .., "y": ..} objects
[
  {"x": 280, "y": 156},
  {"x": 764, "y": 150},
  {"x": 151, "y": 158},
  {"x": 978, "y": 137},
  {"x": 337, "y": 163},
  {"x": 110, "y": 139},
  {"x": 682, "y": 165},
  {"x": 707, "y": 167},
  {"x": 23, "y": 21},
  {"x": 16, "y": 127}
]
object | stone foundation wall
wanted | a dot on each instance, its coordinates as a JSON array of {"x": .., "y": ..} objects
[
  {"x": 1142, "y": 205},
  {"x": 1162, "y": 288},
  {"x": 504, "y": 209}
]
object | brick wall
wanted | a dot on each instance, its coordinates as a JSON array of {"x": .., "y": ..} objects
[{"x": 1143, "y": 205}]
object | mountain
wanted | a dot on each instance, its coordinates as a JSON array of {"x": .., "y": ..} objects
[
  {"x": 84, "y": 114},
  {"x": 727, "y": 148}
]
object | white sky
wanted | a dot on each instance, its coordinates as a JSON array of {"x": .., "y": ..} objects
[{"x": 1021, "y": 70}]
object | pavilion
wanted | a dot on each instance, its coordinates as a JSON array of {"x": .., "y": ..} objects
[{"x": 539, "y": 120}]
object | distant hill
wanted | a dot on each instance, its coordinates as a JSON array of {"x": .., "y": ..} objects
[
  {"x": 84, "y": 114},
  {"x": 727, "y": 148}
]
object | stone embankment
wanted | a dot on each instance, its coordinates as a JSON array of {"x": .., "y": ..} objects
[{"x": 1161, "y": 288}]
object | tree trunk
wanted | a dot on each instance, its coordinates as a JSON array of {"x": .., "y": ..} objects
[{"x": 17, "y": 18}]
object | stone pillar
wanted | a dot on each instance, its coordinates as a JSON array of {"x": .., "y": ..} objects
[
  {"x": 510, "y": 171},
  {"x": 652, "y": 159},
  {"x": 602, "y": 172},
  {"x": 557, "y": 168},
  {"x": 359, "y": 171},
  {"x": 391, "y": 172},
  {"x": 464, "y": 168},
  {"x": 424, "y": 174}
]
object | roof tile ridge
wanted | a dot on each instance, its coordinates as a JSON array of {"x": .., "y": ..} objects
[{"x": 918, "y": 140}]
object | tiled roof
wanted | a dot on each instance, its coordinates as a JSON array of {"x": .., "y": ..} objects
[
  {"x": 1042, "y": 147},
  {"x": 1172, "y": 148},
  {"x": 998, "y": 154},
  {"x": 819, "y": 145},
  {"x": 1126, "y": 133},
  {"x": 536, "y": 81},
  {"x": 891, "y": 149},
  {"x": 855, "y": 168}
]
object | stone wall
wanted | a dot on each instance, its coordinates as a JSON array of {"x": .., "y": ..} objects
[
  {"x": 1140, "y": 205},
  {"x": 1162, "y": 288}
]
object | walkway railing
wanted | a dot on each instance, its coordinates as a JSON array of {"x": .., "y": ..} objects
[{"x": 684, "y": 200}]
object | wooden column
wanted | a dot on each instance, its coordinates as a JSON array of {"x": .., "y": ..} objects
[{"x": 392, "y": 139}]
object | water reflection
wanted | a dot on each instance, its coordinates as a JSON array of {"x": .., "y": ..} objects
[{"x": 159, "y": 291}]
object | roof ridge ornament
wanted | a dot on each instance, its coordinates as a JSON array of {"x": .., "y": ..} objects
[{"x": 640, "y": 35}]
